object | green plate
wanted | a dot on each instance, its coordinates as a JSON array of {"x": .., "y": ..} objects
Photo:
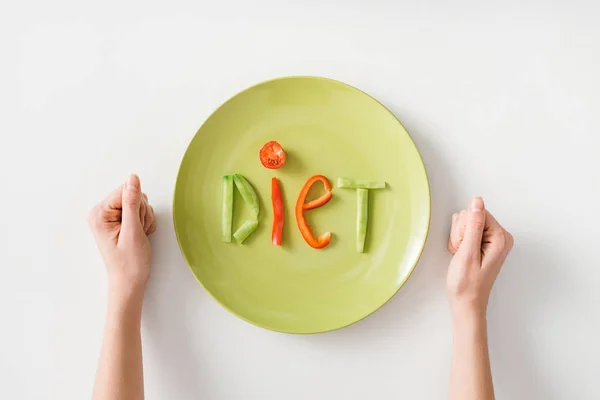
[{"x": 326, "y": 127}]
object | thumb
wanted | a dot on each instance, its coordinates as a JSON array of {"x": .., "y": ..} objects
[
  {"x": 474, "y": 228},
  {"x": 131, "y": 202}
]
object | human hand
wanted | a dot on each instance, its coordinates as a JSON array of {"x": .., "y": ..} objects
[
  {"x": 120, "y": 224},
  {"x": 480, "y": 246}
]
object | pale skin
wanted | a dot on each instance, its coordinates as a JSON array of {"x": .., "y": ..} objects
[
  {"x": 480, "y": 246},
  {"x": 121, "y": 225}
]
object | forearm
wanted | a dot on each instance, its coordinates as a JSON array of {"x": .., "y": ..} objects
[
  {"x": 471, "y": 377},
  {"x": 120, "y": 373}
]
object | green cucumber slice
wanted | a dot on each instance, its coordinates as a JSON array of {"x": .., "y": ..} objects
[
  {"x": 362, "y": 217},
  {"x": 248, "y": 194},
  {"x": 245, "y": 230},
  {"x": 346, "y": 183}
]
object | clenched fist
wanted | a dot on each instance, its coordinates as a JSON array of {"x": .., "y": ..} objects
[
  {"x": 120, "y": 224},
  {"x": 480, "y": 246}
]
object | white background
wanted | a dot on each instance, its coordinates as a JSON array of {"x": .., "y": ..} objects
[{"x": 503, "y": 100}]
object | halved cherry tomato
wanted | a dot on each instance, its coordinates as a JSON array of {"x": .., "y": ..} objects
[
  {"x": 301, "y": 206},
  {"x": 272, "y": 155}
]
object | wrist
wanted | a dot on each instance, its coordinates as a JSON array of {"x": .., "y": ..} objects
[
  {"x": 468, "y": 314},
  {"x": 468, "y": 323},
  {"x": 125, "y": 298}
]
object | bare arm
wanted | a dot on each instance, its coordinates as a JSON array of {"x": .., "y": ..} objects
[
  {"x": 120, "y": 225},
  {"x": 120, "y": 374},
  {"x": 480, "y": 246},
  {"x": 471, "y": 376}
]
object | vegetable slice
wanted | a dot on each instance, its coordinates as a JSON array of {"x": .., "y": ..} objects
[
  {"x": 346, "y": 183},
  {"x": 362, "y": 217},
  {"x": 324, "y": 239},
  {"x": 316, "y": 203},
  {"x": 272, "y": 155},
  {"x": 362, "y": 205},
  {"x": 248, "y": 194},
  {"x": 227, "y": 213},
  {"x": 277, "y": 200},
  {"x": 245, "y": 230}
]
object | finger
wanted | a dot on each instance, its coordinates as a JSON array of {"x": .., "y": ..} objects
[
  {"x": 474, "y": 228},
  {"x": 496, "y": 239},
  {"x": 148, "y": 218},
  {"x": 491, "y": 224},
  {"x": 450, "y": 246},
  {"x": 132, "y": 200},
  {"x": 114, "y": 200},
  {"x": 458, "y": 230},
  {"x": 492, "y": 228},
  {"x": 152, "y": 228},
  {"x": 143, "y": 210},
  {"x": 95, "y": 218},
  {"x": 456, "y": 233},
  {"x": 496, "y": 252}
]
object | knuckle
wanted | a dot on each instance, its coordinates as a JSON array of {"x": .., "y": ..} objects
[
  {"x": 94, "y": 217},
  {"x": 457, "y": 242},
  {"x": 510, "y": 240},
  {"x": 450, "y": 247},
  {"x": 478, "y": 224},
  {"x": 130, "y": 202},
  {"x": 500, "y": 241},
  {"x": 151, "y": 228}
]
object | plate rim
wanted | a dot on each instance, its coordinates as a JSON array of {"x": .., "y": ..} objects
[{"x": 412, "y": 268}]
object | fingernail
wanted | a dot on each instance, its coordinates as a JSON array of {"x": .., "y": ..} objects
[
  {"x": 133, "y": 183},
  {"x": 476, "y": 204}
]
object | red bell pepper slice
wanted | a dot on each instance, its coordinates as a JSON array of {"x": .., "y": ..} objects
[
  {"x": 301, "y": 206},
  {"x": 277, "y": 200}
]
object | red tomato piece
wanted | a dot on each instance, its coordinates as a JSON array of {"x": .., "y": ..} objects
[{"x": 272, "y": 155}]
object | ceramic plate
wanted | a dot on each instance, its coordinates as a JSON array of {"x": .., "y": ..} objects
[{"x": 326, "y": 127}]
